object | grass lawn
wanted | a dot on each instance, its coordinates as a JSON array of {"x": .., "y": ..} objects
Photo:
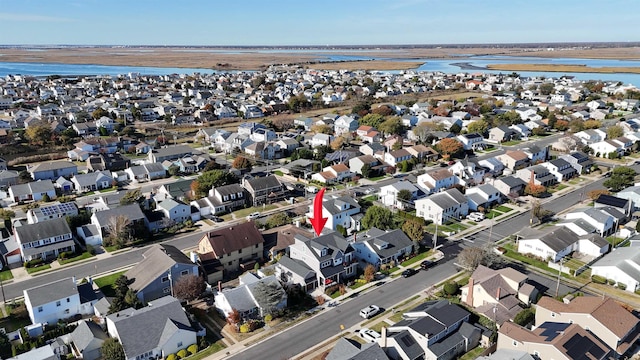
[
  {"x": 371, "y": 198},
  {"x": 614, "y": 240},
  {"x": 84, "y": 255},
  {"x": 513, "y": 254},
  {"x": 454, "y": 227},
  {"x": 377, "y": 327},
  {"x": 576, "y": 181},
  {"x": 111, "y": 248},
  {"x": 396, "y": 317},
  {"x": 37, "y": 269},
  {"x": 377, "y": 178},
  {"x": 244, "y": 212},
  {"x": 208, "y": 222},
  {"x": 278, "y": 172},
  {"x": 107, "y": 190},
  {"x": 504, "y": 209},
  {"x": 511, "y": 143},
  {"x": 574, "y": 264},
  {"x": 357, "y": 285},
  {"x": 475, "y": 353},
  {"x": 492, "y": 214},
  {"x": 213, "y": 348},
  {"x": 416, "y": 258},
  {"x": 6, "y": 275},
  {"x": 105, "y": 283}
]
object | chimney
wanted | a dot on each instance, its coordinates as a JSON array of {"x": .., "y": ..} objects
[
  {"x": 470, "y": 293},
  {"x": 498, "y": 294}
]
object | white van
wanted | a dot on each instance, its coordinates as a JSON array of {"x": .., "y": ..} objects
[
  {"x": 369, "y": 311},
  {"x": 254, "y": 215}
]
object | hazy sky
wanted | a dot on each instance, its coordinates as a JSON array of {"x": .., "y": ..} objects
[{"x": 322, "y": 22}]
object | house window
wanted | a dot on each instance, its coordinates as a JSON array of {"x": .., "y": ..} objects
[
  {"x": 230, "y": 262},
  {"x": 68, "y": 300},
  {"x": 180, "y": 344},
  {"x": 39, "y": 308},
  {"x": 553, "y": 314},
  {"x": 184, "y": 272},
  {"x": 166, "y": 290},
  {"x": 240, "y": 251},
  {"x": 165, "y": 279},
  {"x": 66, "y": 311},
  {"x": 515, "y": 343},
  {"x": 256, "y": 246},
  {"x": 57, "y": 303}
]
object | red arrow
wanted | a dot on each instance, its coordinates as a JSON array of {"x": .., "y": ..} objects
[{"x": 317, "y": 220}]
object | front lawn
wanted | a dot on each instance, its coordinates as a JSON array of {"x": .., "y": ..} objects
[
  {"x": 504, "y": 209},
  {"x": 614, "y": 241},
  {"x": 105, "y": 283},
  {"x": 244, "y": 212},
  {"x": 473, "y": 354},
  {"x": 6, "y": 275},
  {"x": 39, "y": 268},
  {"x": 416, "y": 258},
  {"x": 84, "y": 255}
]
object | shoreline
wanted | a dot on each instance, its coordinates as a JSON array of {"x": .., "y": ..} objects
[{"x": 576, "y": 68}]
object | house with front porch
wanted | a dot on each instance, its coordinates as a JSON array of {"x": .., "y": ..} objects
[
  {"x": 264, "y": 190},
  {"x": 221, "y": 199},
  {"x": 377, "y": 247},
  {"x": 330, "y": 257},
  {"x": 45, "y": 239},
  {"x": 341, "y": 211},
  {"x": 93, "y": 181},
  {"x": 560, "y": 242}
]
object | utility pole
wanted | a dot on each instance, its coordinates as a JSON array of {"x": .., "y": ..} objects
[
  {"x": 559, "y": 272},
  {"x": 435, "y": 235}
]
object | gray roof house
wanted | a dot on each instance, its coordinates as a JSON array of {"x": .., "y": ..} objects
[
  {"x": 132, "y": 212},
  {"x": 170, "y": 153},
  {"x": 621, "y": 265},
  {"x": 264, "y": 190},
  {"x": 92, "y": 181},
  {"x": 347, "y": 349},
  {"x": 33, "y": 191},
  {"x": 155, "y": 331},
  {"x": 254, "y": 297},
  {"x": 60, "y": 299},
  {"x": 162, "y": 266},
  {"x": 52, "y": 170},
  {"x": 87, "y": 339},
  {"x": 44, "y": 239},
  {"x": 379, "y": 247}
]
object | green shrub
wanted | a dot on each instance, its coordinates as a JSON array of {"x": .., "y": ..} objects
[
  {"x": 622, "y": 286},
  {"x": 611, "y": 282},
  {"x": 91, "y": 250},
  {"x": 244, "y": 328},
  {"x": 33, "y": 263},
  {"x": 598, "y": 279},
  {"x": 182, "y": 354},
  {"x": 451, "y": 288},
  {"x": 172, "y": 357},
  {"x": 524, "y": 317},
  {"x": 268, "y": 318},
  {"x": 192, "y": 349}
]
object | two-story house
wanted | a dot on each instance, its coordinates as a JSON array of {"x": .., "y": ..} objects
[
  {"x": 560, "y": 168},
  {"x": 161, "y": 267},
  {"x": 395, "y": 157},
  {"x": 539, "y": 174},
  {"x": 388, "y": 194},
  {"x": 485, "y": 196},
  {"x": 345, "y": 124},
  {"x": 442, "y": 207},
  {"x": 341, "y": 211},
  {"x": 52, "y": 170},
  {"x": 377, "y": 247},
  {"x": 514, "y": 159},
  {"x": 473, "y": 141},
  {"x": 468, "y": 172},
  {"x": 45, "y": 239},
  {"x": 52, "y": 211},
  {"x": 58, "y": 300},
  {"x": 221, "y": 199},
  {"x": 436, "y": 180},
  {"x": 579, "y": 161}
]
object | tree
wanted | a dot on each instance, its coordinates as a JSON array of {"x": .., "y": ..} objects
[
  {"x": 539, "y": 131},
  {"x": 540, "y": 212},
  {"x": 6, "y": 214},
  {"x": 592, "y": 124},
  {"x": 119, "y": 230},
  {"x": 546, "y": 88},
  {"x": 451, "y": 288},
  {"x": 378, "y": 217},
  {"x": 470, "y": 257},
  {"x": 322, "y": 129},
  {"x": 366, "y": 170},
  {"x": 5, "y": 346},
  {"x": 449, "y": 147},
  {"x": 404, "y": 195},
  {"x": 524, "y": 317},
  {"x": 361, "y": 108},
  {"x": 621, "y": 177},
  {"x": 534, "y": 190},
  {"x": 173, "y": 170},
  {"x": 188, "y": 287},
  {"x": 383, "y": 110},
  {"x": 210, "y": 179},
  {"x": 132, "y": 196},
  {"x": 478, "y": 126},
  {"x": 614, "y": 131},
  {"x": 369, "y": 273},
  {"x": 278, "y": 219},
  {"x": 392, "y": 125},
  {"x": 595, "y": 194},
  {"x": 414, "y": 229},
  {"x": 337, "y": 143},
  {"x": 112, "y": 349},
  {"x": 373, "y": 120},
  {"x": 241, "y": 162},
  {"x": 38, "y": 135},
  {"x": 234, "y": 317},
  {"x": 268, "y": 295}
]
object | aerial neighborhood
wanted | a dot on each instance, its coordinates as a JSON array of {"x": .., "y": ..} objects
[{"x": 208, "y": 183}]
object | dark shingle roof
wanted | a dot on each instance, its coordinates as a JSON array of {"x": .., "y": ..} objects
[
  {"x": 53, "y": 291},
  {"x": 85, "y": 333},
  {"x": 233, "y": 238},
  {"x": 42, "y": 230},
  {"x": 157, "y": 261}
]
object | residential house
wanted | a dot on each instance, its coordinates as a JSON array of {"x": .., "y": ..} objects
[
  {"x": 321, "y": 139},
  {"x": 436, "y": 329},
  {"x": 553, "y": 340},
  {"x": 493, "y": 165},
  {"x": 345, "y": 124},
  {"x": 498, "y": 294},
  {"x": 376, "y": 150},
  {"x": 443, "y": 207},
  {"x": 161, "y": 268},
  {"x": 221, "y": 199},
  {"x": 45, "y": 239},
  {"x": 436, "y": 180},
  {"x": 468, "y": 172},
  {"x": 93, "y": 181},
  {"x": 225, "y": 251},
  {"x": 606, "y": 147},
  {"x": 34, "y": 191},
  {"x": 358, "y": 163},
  {"x": 388, "y": 194},
  {"x": 601, "y": 316},
  {"x": 8, "y": 178},
  {"x": 249, "y": 299},
  {"x": 536, "y": 154},
  {"x": 59, "y": 300},
  {"x": 330, "y": 258},
  {"x": 174, "y": 211},
  {"x": 483, "y": 196},
  {"x": 264, "y": 190},
  {"x": 537, "y": 174},
  {"x": 621, "y": 265},
  {"x": 341, "y": 211},
  {"x": 632, "y": 193},
  {"x": 177, "y": 190},
  {"x": 86, "y": 340},
  {"x": 50, "y": 211},
  {"x": 170, "y": 153},
  {"x": 522, "y": 130},
  {"x": 502, "y": 133},
  {"x": 624, "y": 206},
  {"x": 514, "y": 159},
  {"x": 108, "y": 161},
  {"x": 377, "y": 247},
  {"x": 510, "y": 186},
  {"x": 154, "y": 331},
  {"x": 286, "y": 146},
  {"x": 604, "y": 223},
  {"x": 52, "y": 170},
  {"x": 423, "y": 153},
  {"x": 560, "y": 242},
  {"x": 368, "y": 134},
  {"x": 304, "y": 122},
  {"x": 561, "y": 169},
  {"x": 395, "y": 157},
  {"x": 333, "y": 174},
  {"x": 591, "y": 136},
  {"x": 104, "y": 219},
  {"x": 146, "y": 172},
  {"x": 348, "y": 349}
]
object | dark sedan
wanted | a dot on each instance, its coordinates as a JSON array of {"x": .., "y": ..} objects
[{"x": 409, "y": 272}]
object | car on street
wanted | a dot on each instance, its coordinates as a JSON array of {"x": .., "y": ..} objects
[
  {"x": 370, "y": 190},
  {"x": 217, "y": 219},
  {"x": 476, "y": 216},
  {"x": 409, "y": 272},
  {"x": 369, "y": 335},
  {"x": 253, "y": 215},
  {"x": 425, "y": 265},
  {"x": 369, "y": 311}
]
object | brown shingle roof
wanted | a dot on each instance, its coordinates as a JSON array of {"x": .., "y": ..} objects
[
  {"x": 233, "y": 238},
  {"x": 607, "y": 311},
  {"x": 440, "y": 174},
  {"x": 517, "y": 155},
  {"x": 340, "y": 167}
]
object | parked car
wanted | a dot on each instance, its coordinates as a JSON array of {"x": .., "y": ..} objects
[
  {"x": 253, "y": 215},
  {"x": 369, "y": 311},
  {"x": 217, "y": 219},
  {"x": 370, "y": 190},
  {"x": 409, "y": 272},
  {"x": 312, "y": 189},
  {"x": 476, "y": 216},
  {"x": 369, "y": 335},
  {"x": 425, "y": 265}
]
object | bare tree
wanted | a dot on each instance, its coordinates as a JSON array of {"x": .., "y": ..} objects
[
  {"x": 469, "y": 258},
  {"x": 369, "y": 273},
  {"x": 119, "y": 230},
  {"x": 189, "y": 287},
  {"x": 540, "y": 212}
]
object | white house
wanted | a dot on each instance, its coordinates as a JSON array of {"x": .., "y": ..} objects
[
  {"x": 601, "y": 221},
  {"x": 243, "y": 298},
  {"x": 472, "y": 141},
  {"x": 443, "y": 206},
  {"x": 621, "y": 265},
  {"x": 485, "y": 195},
  {"x": 561, "y": 242},
  {"x": 436, "y": 180},
  {"x": 343, "y": 211},
  {"x": 321, "y": 140},
  {"x": 57, "y": 300},
  {"x": 606, "y": 147},
  {"x": 388, "y": 194}
]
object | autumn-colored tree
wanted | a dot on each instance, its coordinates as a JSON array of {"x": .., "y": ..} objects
[
  {"x": 560, "y": 125},
  {"x": 478, "y": 126},
  {"x": 591, "y": 124},
  {"x": 337, "y": 143},
  {"x": 241, "y": 162},
  {"x": 369, "y": 273},
  {"x": 38, "y": 135},
  {"x": 614, "y": 131},
  {"x": 383, "y": 110},
  {"x": 595, "y": 194},
  {"x": 321, "y": 129},
  {"x": 470, "y": 257},
  {"x": 414, "y": 229},
  {"x": 449, "y": 147},
  {"x": 188, "y": 287},
  {"x": 392, "y": 125},
  {"x": 234, "y": 317},
  {"x": 534, "y": 190}
]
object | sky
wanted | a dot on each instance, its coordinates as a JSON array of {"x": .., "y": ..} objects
[{"x": 321, "y": 22}]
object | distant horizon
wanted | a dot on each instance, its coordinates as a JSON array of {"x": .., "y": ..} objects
[{"x": 331, "y": 22}]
